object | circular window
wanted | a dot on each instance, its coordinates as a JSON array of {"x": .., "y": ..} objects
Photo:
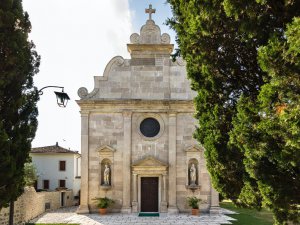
[{"x": 150, "y": 127}]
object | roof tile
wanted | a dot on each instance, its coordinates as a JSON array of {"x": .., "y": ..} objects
[{"x": 52, "y": 149}]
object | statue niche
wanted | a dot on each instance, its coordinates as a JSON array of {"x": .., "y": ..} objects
[
  {"x": 105, "y": 172},
  {"x": 193, "y": 172}
]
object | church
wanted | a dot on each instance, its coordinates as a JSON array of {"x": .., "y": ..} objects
[{"x": 137, "y": 129}]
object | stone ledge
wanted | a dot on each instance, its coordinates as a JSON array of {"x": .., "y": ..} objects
[
  {"x": 173, "y": 210},
  {"x": 83, "y": 209},
  {"x": 215, "y": 210}
]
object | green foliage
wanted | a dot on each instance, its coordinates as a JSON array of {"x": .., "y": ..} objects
[
  {"x": 243, "y": 61},
  {"x": 273, "y": 152},
  {"x": 30, "y": 174},
  {"x": 18, "y": 64},
  {"x": 103, "y": 203},
  {"x": 193, "y": 202}
]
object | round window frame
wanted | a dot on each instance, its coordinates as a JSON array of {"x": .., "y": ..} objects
[{"x": 154, "y": 116}]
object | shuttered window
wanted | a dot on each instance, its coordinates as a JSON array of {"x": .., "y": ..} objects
[
  {"x": 62, "y": 183},
  {"x": 45, "y": 184},
  {"x": 62, "y": 165}
]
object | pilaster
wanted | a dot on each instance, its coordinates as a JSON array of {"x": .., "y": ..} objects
[
  {"x": 214, "y": 205},
  {"x": 126, "y": 208},
  {"x": 163, "y": 204},
  {"x": 84, "y": 188},
  {"x": 135, "y": 194},
  {"x": 172, "y": 164}
]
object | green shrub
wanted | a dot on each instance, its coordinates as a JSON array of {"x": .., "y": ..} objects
[
  {"x": 193, "y": 202},
  {"x": 104, "y": 203}
]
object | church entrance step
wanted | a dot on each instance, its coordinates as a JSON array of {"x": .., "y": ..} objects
[{"x": 143, "y": 214}]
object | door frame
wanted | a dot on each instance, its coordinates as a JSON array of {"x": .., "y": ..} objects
[
  {"x": 140, "y": 191},
  {"x": 62, "y": 199}
]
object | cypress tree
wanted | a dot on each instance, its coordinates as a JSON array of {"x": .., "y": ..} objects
[
  {"x": 18, "y": 112},
  {"x": 243, "y": 61}
]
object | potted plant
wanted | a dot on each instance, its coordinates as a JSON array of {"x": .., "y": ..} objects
[
  {"x": 103, "y": 204},
  {"x": 194, "y": 203}
]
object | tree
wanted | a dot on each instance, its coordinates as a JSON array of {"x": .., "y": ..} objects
[
  {"x": 229, "y": 49},
  {"x": 273, "y": 148},
  {"x": 18, "y": 64},
  {"x": 30, "y": 174}
]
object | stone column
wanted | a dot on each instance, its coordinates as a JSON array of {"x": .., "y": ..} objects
[
  {"x": 165, "y": 188},
  {"x": 214, "y": 204},
  {"x": 134, "y": 200},
  {"x": 84, "y": 188},
  {"x": 163, "y": 205},
  {"x": 126, "y": 162},
  {"x": 172, "y": 164}
]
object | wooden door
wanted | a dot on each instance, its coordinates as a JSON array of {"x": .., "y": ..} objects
[{"x": 149, "y": 194}]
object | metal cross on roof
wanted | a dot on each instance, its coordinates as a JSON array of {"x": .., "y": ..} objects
[{"x": 150, "y": 11}]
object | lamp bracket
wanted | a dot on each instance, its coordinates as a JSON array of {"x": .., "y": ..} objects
[{"x": 41, "y": 90}]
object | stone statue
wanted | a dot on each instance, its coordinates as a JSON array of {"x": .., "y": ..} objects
[
  {"x": 193, "y": 175},
  {"x": 106, "y": 175}
]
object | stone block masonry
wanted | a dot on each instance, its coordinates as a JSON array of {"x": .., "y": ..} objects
[
  {"x": 139, "y": 121},
  {"x": 31, "y": 204}
]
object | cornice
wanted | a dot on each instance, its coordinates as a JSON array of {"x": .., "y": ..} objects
[
  {"x": 144, "y": 48},
  {"x": 136, "y": 105}
]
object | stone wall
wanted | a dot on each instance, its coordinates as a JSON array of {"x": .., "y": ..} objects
[
  {"x": 186, "y": 125},
  {"x": 131, "y": 79},
  {"x": 106, "y": 129},
  {"x": 141, "y": 146},
  {"x": 31, "y": 204}
]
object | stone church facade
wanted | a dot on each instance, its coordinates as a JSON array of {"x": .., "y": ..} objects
[{"x": 137, "y": 129}]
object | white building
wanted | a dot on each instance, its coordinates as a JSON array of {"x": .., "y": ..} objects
[{"x": 57, "y": 167}]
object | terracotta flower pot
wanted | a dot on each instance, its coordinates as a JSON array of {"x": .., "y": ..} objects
[
  {"x": 102, "y": 211},
  {"x": 195, "y": 212}
]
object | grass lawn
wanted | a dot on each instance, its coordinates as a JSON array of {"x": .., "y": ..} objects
[{"x": 249, "y": 216}]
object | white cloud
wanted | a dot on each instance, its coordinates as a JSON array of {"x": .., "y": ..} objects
[{"x": 75, "y": 39}]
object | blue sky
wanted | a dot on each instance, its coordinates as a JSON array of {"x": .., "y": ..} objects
[
  {"x": 163, "y": 12},
  {"x": 76, "y": 39}
]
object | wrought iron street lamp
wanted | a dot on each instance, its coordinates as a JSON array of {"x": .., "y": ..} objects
[{"x": 61, "y": 97}]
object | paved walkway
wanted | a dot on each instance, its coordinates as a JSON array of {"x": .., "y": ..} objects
[{"x": 68, "y": 215}]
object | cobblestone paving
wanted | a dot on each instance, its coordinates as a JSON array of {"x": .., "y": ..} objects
[{"x": 68, "y": 215}]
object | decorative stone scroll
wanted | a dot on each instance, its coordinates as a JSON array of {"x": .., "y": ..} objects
[
  {"x": 150, "y": 34},
  {"x": 84, "y": 94},
  {"x": 165, "y": 38},
  {"x": 134, "y": 38},
  {"x": 115, "y": 61}
]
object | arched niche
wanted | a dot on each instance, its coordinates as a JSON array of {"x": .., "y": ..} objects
[
  {"x": 194, "y": 155},
  {"x": 106, "y": 165},
  {"x": 106, "y": 156},
  {"x": 193, "y": 167}
]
